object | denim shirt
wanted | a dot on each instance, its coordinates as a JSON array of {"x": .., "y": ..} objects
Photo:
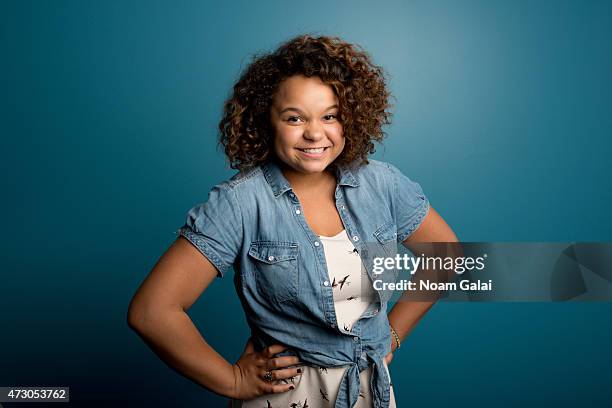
[{"x": 255, "y": 223}]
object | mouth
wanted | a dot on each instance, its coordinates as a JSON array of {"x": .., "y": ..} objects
[{"x": 314, "y": 150}]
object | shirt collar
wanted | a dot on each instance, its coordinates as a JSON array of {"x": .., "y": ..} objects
[{"x": 279, "y": 184}]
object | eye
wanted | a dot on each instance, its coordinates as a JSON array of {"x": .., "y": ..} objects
[
  {"x": 294, "y": 119},
  {"x": 330, "y": 117}
]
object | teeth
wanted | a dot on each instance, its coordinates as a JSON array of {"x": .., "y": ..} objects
[{"x": 319, "y": 150}]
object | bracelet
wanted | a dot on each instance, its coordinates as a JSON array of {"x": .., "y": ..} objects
[{"x": 395, "y": 336}]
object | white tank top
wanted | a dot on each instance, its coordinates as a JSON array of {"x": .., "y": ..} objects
[{"x": 351, "y": 298}]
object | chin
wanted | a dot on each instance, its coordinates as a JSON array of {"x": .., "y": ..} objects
[
  {"x": 313, "y": 167},
  {"x": 309, "y": 169},
  {"x": 305, "y": 166}
]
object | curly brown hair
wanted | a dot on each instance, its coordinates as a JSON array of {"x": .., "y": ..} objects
[{"x": 360, "y": 86}]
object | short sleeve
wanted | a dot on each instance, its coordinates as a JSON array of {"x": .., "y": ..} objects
[
  {"x": 409, "y": 203},
  {"x": 214, "y": 227}
]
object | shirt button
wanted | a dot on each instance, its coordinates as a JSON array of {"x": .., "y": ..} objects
[
  {"x": 355, "y": 339},
  {"x": 326, "y": 283},
  {"x": 316, "y": 243},
  {"x": 355, "y": 238},
  {"x": 298, "y": 212},
  {"x": 270, "y": 258},
  {"x": 342, "y": 207}
]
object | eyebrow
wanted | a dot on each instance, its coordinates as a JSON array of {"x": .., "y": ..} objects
[{"x": 299, "y": 111}]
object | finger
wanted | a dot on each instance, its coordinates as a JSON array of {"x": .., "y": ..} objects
[
  {"x": 286, "y": 373},
  {"x": 281, "y": 362},
  {"x": 273, "y": 349},
  {"x": 269, "y": 388}
]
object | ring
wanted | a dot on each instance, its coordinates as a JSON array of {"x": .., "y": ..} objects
[{"x": 268, "y": 376}]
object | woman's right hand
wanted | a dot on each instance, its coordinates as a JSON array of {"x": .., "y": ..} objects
[{"x": 251, "y": 367}]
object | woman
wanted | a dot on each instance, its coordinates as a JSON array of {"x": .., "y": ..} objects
[{"x": 296, "y": 223}]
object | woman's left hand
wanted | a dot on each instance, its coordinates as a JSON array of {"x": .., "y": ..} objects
[{"x": 389, "y": 356}]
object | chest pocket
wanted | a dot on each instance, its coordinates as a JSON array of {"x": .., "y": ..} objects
[
  {"x": 277, "y": 269},
  {"x": 386, "y": 235}
]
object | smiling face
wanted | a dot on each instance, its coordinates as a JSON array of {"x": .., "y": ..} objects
[{"x": 304, "y": 116}]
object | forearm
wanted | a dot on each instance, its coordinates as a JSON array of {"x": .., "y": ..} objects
[
  {"x": 173, "y": 337},
  {"x": 405, "y": 315},
  {"x": 433, "y": 239}
]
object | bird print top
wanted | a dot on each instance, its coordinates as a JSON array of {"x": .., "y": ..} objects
[
  {"x": 351, "y": 285},
  {"x": 317, "y": 387}
]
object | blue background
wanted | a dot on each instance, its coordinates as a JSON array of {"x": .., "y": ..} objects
[{"x": 109, "y": 113}]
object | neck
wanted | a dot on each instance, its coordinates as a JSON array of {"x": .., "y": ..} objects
[{"x": 308, "y": 181}]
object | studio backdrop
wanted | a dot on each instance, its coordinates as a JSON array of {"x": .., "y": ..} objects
[{"x": 109, "y": 113}]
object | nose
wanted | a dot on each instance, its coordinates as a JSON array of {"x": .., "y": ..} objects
[{"x": 314, "y": 131}]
